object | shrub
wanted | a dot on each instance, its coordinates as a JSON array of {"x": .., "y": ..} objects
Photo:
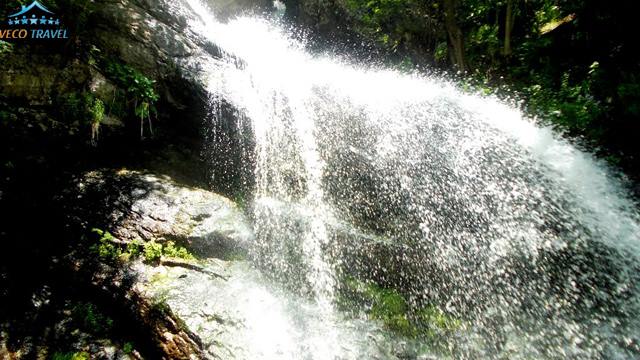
[
  {"x": 139, "y": 90},
  {"x": 83, "y": 109}
]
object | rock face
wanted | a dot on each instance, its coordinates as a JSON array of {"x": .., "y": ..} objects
[
  {"x": 135, "y": 205},
  {"x": 45, "y": 145},
  {"x": 224, "y": 9},
  {"x": 150, "y": 35}
]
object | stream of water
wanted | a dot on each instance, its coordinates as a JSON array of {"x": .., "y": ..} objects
[{"x": 412, "y": 197}]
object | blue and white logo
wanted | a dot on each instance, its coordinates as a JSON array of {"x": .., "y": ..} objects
[{"x": 34, "y": 21}]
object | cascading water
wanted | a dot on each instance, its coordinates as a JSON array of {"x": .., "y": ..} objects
[{"x": 462, "y": 229}]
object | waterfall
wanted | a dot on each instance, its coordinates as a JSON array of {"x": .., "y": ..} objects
[{"x": 456, "y": 202}]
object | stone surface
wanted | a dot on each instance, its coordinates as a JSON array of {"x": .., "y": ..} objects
[
  {"x": 240, "y": 314},
  {"x": 135, "y": 205}
]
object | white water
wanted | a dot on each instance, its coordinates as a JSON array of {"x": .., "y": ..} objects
[{"x": 493, "y": 220}]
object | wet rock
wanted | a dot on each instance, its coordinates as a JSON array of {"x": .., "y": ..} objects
[
  {"x": 147, "y": 36},
  {"x": 157, "y": 328},
  {"x": 225, "y": 9},
  {"x": 37, "y": 81},
  {"x": 241, "y": 314},
  {"x": 135, "y": 205}
]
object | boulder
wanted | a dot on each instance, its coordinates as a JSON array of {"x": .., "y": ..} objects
[{"x": 136, "y": 205}]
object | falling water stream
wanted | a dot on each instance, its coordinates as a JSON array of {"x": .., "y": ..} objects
[{"x": 398, "y": 217}]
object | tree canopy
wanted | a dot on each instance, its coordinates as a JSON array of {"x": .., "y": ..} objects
[{"x": 573, "y": 62}]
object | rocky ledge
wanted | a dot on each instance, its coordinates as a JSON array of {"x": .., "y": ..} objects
[
  {"x": 137, "y": 208},
  {"x": 135, "y": 205}
]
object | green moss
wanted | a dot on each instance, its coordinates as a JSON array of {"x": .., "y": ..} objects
[
  {"x": 71, "y": 356},
  {"x": 154, "y": 251},
  {"x": 434, "y": 323},
  {"x": 110, "y": 249},
  {"x": 171, "y": 250},
  {"x": 395, "y": 313},
  {"x": 105, "y": 248},
  {"x": 388, "y": 306}
]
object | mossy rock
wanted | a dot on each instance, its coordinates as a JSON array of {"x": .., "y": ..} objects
[{"x": 392, "y": 309}]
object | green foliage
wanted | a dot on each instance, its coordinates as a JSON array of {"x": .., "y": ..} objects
[
  {"x": 71, "y": 356},
  {"x": 572, "y": 62},
  {"x": 483, "y": 45},
  {"x": 83, "y": 109},
  {"x": 547, "y": 13},
  {"x": 138, "y": 87},
  {"x": 96, "y": 111},
  {"x": 5, "y": 48},
  {"x": 171, "y": 250},
  {"x": 573, "y": 106},
  {"x": 152, "y": 251},
  {"x": 88, "y": 317},
  {"x": 110, "y": 249},
  {"x": 134, "y": 249},
  {"x": 441, "y": 52},
  {"x": 139, "y": 90},
  {"x": 628, "y": 94},
  {"x": 577, "y": 107},
  {"x": 127, "y": 348},
  {"x": 105, "y": 248},
  {"x": 396, "y": 25}
]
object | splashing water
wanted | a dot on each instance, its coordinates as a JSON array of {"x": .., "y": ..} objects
[{"x": 426, "y": 196}]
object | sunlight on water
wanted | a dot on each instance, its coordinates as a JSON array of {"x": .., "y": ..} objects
[
  {"x": 246, "y": 317},
  {"x": 455, "y": 203}
]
